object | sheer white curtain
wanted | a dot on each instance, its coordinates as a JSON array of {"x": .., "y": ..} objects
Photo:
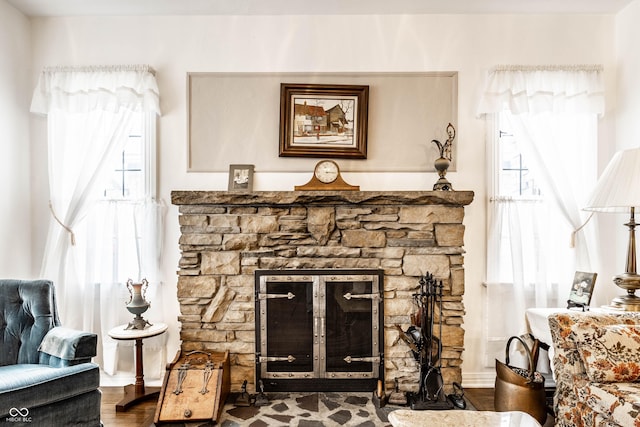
[
  {"x": 90, "y": 111},
  {"x": 533, "y": 248}
]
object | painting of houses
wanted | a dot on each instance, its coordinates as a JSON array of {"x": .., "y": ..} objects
[
  {"x": 338, "y": 122},
  {"x": 309, "y": 119},
  {"x": 323, "y": 120},
  {"x": 326, "y": 121}
]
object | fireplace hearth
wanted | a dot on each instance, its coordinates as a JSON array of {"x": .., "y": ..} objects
[
  {"x": 319, "y": 330},
  {"x": 227, "y": 238}
]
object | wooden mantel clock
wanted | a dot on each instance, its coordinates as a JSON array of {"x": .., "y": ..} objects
[{"x": 326, "y": 177}]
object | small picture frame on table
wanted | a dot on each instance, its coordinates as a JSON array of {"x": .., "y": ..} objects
[
  {"x": 240, "y": 178},
  {"x": 581, "y": 290}
]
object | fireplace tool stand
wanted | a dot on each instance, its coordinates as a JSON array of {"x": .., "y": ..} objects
[{"x": 431, "y": 394}]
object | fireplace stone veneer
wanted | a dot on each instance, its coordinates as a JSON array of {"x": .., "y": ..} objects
[{"x": 227, "y": 236}]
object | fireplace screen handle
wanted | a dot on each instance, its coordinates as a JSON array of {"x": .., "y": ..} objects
[
  {"x": 288, "y": 295},
  {"x": 349, "y": 296},
  {"x": 289, "y": 359},
  {"x": 350, "y": 359}
]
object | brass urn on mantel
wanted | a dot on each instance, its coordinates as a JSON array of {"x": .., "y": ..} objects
[{"x": 442, "y": 163}]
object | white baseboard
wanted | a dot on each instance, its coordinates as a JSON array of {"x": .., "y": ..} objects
[
  {"x": 124, "y": 378},
  {"x": 478, "y": 379}
]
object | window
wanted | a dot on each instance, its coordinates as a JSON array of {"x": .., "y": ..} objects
[
  {"x": 530, "y": 253},
  {"x": 542, "y": 123},
  {"x": 126, "y": 192},
  {"x": 539, "y": 176},
  {"x": 106, "y": 225},
  {"x": 530, "y": 262},
  {"x": 515, "y": 178},
  {"x": 132, "y": 174}
]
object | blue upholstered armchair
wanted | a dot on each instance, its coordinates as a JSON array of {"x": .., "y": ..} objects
[{"x": 46, "y": 374}]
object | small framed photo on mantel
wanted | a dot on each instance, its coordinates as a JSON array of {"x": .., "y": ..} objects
[{"x": 240, "y": 177}]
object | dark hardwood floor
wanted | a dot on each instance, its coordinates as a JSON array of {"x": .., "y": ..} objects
[{"x": 142, "y": 414}]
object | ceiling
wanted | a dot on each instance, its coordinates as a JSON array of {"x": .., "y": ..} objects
[{"x": 310, "y": 7}]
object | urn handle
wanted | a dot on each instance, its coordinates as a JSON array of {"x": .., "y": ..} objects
[{"x": 144, "y": 285}]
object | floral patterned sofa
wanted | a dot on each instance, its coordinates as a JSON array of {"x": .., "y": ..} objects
[{"x": 597, "y": 368}]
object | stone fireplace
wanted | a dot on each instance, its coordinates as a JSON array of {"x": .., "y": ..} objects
[{"x": 226, "y": 237}]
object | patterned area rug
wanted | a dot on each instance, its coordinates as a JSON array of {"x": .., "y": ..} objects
[{"x": 310, "y": 410}]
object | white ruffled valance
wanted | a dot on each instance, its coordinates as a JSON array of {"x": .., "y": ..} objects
[
  {"x": 82, "y": 89},
  {"x": 537, "y": 89}
]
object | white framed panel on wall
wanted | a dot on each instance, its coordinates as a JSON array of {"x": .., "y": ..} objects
[{"x": 235, "y": 118}]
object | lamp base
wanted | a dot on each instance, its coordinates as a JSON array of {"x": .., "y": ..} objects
[
  {"x": 626, "y": 303},
  {"x": 629, "y": 282}
]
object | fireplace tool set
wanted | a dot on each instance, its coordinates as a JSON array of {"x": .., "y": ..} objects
[
  {"x": 427, "y": 349},
  {"x": 246, "y": 399}
]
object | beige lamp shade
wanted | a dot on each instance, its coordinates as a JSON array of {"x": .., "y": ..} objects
[{"x": 618, "y": 188}]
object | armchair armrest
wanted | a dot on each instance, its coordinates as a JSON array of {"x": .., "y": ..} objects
[{"x": 64, "y": 347}]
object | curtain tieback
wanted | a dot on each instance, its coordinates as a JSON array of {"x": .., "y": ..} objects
[
  {"x": 69, "y": 230},
  {"x": 574, "y": 232}
]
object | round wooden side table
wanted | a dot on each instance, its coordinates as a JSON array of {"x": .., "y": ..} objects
[{"x": 134, "y": 393}]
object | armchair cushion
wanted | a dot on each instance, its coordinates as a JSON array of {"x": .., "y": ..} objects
[
  {"x": 613, "y": 401},
  {"x": 34, "y": 385},
  {"x": 68, "y": 344},
  {"x": 610, "y": 352}
]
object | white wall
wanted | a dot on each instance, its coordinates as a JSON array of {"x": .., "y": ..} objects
[
  {"x": 469, "y": 44},
  {"x": 15, "y": 188},
  {"x": 627, "y": 129},
  {"x": 628, "y": 73}
]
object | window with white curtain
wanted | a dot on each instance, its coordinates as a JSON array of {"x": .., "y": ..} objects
[
  {"x": 531, "y": 251},
  {"x": 124, "y": 187},
  {"x": 106, "y": 224},
  {"x": 542, "y": 142}
]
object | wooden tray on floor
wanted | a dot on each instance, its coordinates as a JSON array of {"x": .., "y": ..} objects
[{"x": 194, "y": 388}]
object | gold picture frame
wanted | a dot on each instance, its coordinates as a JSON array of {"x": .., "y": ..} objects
[{"x": 328, "y": 121}]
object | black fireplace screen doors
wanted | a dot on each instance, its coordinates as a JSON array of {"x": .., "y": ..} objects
[{"x": 319, "y": 330}]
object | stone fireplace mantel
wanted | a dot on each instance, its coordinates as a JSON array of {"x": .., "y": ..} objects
[
  {"x": 227, "y": 236},
  {"x": 319, "y": 198}
]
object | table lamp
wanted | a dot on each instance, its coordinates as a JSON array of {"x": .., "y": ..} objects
[{"x": 618, "y": 191}]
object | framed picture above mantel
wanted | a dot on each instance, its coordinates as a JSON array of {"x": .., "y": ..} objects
[
  {"x": 323, "y": 120},
  {"x": 234, "y": 118}
]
